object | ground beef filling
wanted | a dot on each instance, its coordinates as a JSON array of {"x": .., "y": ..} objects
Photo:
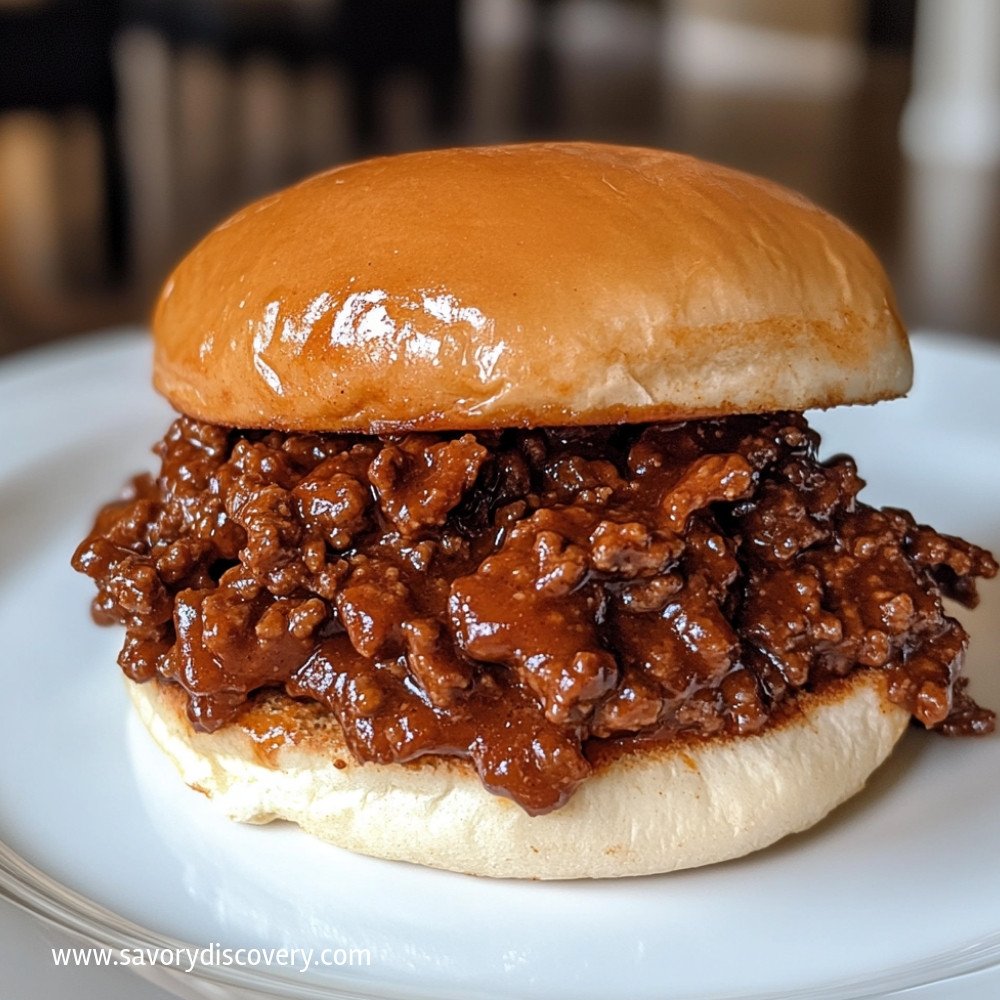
[{"x": 527, "y": 598}]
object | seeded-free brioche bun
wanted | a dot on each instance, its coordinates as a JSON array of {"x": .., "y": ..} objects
[
  {"x": 552, "y": 283},
  {"x": 656, "y": 809}
]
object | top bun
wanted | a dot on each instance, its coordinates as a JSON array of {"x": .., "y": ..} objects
[{"x": 550, "y": 283}]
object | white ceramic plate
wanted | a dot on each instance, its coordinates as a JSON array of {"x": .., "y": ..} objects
[{"x": 900, "y": 887}]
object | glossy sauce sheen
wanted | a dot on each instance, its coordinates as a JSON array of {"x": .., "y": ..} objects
[{"x": 534, "y": 599}]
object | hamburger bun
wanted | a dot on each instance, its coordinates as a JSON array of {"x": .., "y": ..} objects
[
  {"x": 525, "y": 286},
  {"x": 507, "y": 286},
  {"x": 655, "y": 809}
]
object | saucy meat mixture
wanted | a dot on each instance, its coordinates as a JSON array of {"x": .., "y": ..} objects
[{"x": 527, "y": 597}]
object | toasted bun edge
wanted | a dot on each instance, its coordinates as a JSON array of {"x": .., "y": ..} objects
[{"x": 652, "y": 810}]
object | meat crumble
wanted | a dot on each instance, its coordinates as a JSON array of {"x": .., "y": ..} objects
[{"x": 525, "y": 597}]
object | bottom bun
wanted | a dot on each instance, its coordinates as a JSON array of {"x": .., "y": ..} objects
[{"x": 656, "y": 808}]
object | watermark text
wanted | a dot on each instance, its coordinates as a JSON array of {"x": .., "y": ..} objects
[{"x": 215, "y": 955}]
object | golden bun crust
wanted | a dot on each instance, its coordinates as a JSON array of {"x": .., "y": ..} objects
[
  {"x": 662, "y": 808},
  {"x": 550, "y": 283}
]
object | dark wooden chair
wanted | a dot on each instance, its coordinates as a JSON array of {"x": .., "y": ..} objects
[
  {"x": 368, "y": 39},
  {"x": 56, "y": 56}
]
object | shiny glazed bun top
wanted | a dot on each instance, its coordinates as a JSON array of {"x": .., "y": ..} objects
[{"x": 551, "y": 283}]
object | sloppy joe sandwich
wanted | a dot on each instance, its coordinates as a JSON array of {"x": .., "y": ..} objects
[{"x": 491, "y": 534}]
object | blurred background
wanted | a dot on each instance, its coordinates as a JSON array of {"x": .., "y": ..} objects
[{"x": 128, "y": 128}]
